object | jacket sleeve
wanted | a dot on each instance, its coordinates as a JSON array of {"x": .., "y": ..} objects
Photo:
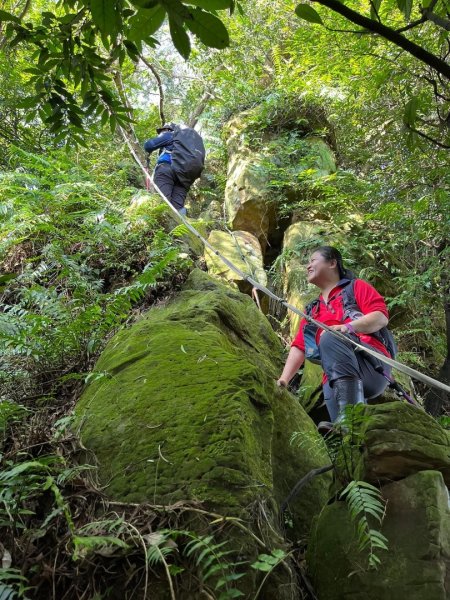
[
  {"x": 160, "y": 141},
  {"x": 368, "y": 299},
  {"x": 299, "y": 341}
]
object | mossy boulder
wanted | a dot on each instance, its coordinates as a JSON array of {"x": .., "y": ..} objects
[
  {"x": 255, "y": 143},
  {"x": 398, "y": 440},
  {"x": 417, "y": 563},
  {"x": 243, "y": 250},
  {"x": 247, "y": 196},
  {"x": 322, "y": 158},
  {"x": 186, "y": 408}
]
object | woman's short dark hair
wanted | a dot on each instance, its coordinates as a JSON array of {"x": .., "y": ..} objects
[{"x": 330, "y": 253}]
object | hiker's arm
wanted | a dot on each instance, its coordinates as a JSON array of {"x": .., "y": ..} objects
[
  {"x": 294, "y": 361},
  {"x": 162, "y": 140},
  {"x": 369, "y": 323}
]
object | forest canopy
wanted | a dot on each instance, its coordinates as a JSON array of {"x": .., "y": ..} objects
[{"x": 78, "y": 47}]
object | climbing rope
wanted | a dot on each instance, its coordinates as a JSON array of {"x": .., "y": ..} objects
[{"x": 413, "y": 373}]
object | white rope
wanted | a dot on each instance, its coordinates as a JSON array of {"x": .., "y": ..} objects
[{"x": 389, "y": 361}]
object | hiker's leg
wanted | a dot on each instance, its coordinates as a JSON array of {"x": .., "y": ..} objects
[
  {"x": 179, "y": 194},
  {"x": 163, "y": 178},
  {"x": 337, "y": 358},
  {"x": 373, "y": 381},
  {"x": 330, "y": 401},
  {"x": 341, "y": 363}
]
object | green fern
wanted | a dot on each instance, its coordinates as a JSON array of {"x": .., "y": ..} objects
[
  {"x": 365, "y": 504},
  {"x": 180, "y": 230},
  {"x": 211, "y": 560},
  {"x": 12, "y": 584},
  {"x": 104, "y": 545}
]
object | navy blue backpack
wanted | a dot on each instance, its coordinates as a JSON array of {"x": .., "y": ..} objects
[{"x": 188, "y": 155}]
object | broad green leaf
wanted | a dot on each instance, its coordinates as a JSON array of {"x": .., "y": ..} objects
[
  {"x": 132, "y": 50},
  {"x": 308, "y": 13},
  {"x": 104, "y": 14},
  {"x": 209, "y": 29},
  {"x": 262, "y": 566},
  {"x": 6, "y": 16},
  {"x": 374, "y": 8},
  {"x": 145, "y": 22},
  {"x": 177, "y": 10},
  {"x": 180, "y": 38},
  {"x": 426, "y": 3},
  {"x": 145, "y": 3},
  {"x": 405, "y": 7},
  {"x": 279, "y": 553},
  {"x": 410, "y": 113},
  {"x": 112, "y": 123},
  {"x": 212, "y": 4}
]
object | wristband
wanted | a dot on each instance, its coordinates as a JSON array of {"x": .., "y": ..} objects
[{"x": 350, "y": 328}]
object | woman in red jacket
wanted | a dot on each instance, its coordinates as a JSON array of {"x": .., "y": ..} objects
[{"x": 349, "y": 377}]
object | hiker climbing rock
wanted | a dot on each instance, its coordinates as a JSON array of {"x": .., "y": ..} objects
[
  {"x": 180, "y": 161},
  {"x": 353, "y": 307}
]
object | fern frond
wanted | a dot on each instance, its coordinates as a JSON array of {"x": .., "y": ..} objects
[
  {"x": 180, "y": 231},
  {"x": 365, "y": 501}
]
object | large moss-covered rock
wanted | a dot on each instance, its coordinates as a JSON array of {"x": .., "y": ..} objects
[
  {"x": 417, "y": 563},
  {"x": 255, "y": 144},
  {"x": 243, "y": 250},
  {"x": 399, "y": 440},
  {"x": 247, "y": 198},
  {"x": 187, "y": 409}
]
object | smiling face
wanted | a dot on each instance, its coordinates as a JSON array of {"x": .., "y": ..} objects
[{"x": 321, "y": 271}]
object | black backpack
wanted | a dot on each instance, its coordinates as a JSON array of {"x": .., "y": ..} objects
[
  {"x": 188, "y": 155},
  {"x": 352, "y": 311}
]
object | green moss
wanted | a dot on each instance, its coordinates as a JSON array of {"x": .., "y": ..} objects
[
  {"x": 191, "y": 411},
  {"x": 399, "y": 440}
]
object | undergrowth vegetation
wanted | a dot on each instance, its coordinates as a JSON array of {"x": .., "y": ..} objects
[
  {"x": 76, "y": 258},
  {"x": 81, "y": 255}
]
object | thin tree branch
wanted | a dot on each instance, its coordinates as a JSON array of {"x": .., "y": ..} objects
[
  {"x": 354, "y": 31},
  {"x": 123, "y": 97},
  {"x": 26, "y": 8},
  {"x": 389, "y": 34},
  {"x": 301, "y": 483},
  {"x": 160, "y": 87},
  {"x": 434, "y": 85},
  {"x": 411, "y": 25},
  {"x": 426, "y": 137},
  {"x": 193, "y": 119},
  {"x": 375, "y": 10},
  {"x": 437, "y": 20}
]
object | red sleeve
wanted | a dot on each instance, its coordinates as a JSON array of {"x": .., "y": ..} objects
[
  {"x": 299, "y": 341},
  {"x": 368, "y": 299}
]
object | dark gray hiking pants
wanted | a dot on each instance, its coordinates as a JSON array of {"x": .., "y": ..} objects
[
  {"x": 169, "y": 185},
  {"x": 339, "y": 360}
]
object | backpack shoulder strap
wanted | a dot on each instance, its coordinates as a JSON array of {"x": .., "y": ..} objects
[
  {"x": 352, "y": 310},
  {"x": 350, "y": 305},
  {"x": 311, "y": 307}
]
